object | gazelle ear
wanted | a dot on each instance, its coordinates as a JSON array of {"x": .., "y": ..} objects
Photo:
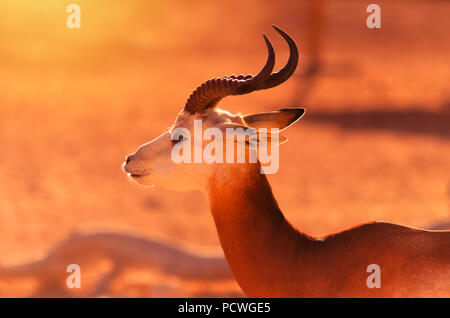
[
  {"x": 252, "y": 136},
  {"x": 280, "y": 119}
]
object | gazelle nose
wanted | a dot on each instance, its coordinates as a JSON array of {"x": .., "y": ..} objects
[{"x": 129, "y": 158}]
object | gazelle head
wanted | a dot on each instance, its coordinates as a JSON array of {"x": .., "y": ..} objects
[{"x": 153, "y": 163}]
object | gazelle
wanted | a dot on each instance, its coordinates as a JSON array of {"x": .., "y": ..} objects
[{"x": 267, "y": 255}]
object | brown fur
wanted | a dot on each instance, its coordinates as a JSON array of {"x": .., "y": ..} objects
[{"x": 269, "y": 258}]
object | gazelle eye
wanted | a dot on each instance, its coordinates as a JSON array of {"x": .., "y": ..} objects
[{"x": 175, "y": 141}]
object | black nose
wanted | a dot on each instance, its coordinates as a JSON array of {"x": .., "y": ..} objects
[{"x": 129, "y": 158}]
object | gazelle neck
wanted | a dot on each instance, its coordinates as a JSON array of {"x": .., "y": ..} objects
[{"x": 261, "y": 247}]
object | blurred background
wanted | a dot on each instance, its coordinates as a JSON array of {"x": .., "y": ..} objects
[{"x": 374, "y": 143}]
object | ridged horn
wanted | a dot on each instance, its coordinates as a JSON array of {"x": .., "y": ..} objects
[{"x": 212, "y": 91}]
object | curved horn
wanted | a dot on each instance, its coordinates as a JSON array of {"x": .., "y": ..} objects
[
  {"x": 289, "y": 69},
  {"x": 212, "y": 91}
]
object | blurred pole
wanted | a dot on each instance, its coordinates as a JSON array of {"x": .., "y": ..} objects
[
  {"x": 314, "y": 33},
  {"x": 316, "y": 9}
]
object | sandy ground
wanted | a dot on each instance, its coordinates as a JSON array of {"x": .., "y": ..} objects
[{"x": 373, "y": 145}]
